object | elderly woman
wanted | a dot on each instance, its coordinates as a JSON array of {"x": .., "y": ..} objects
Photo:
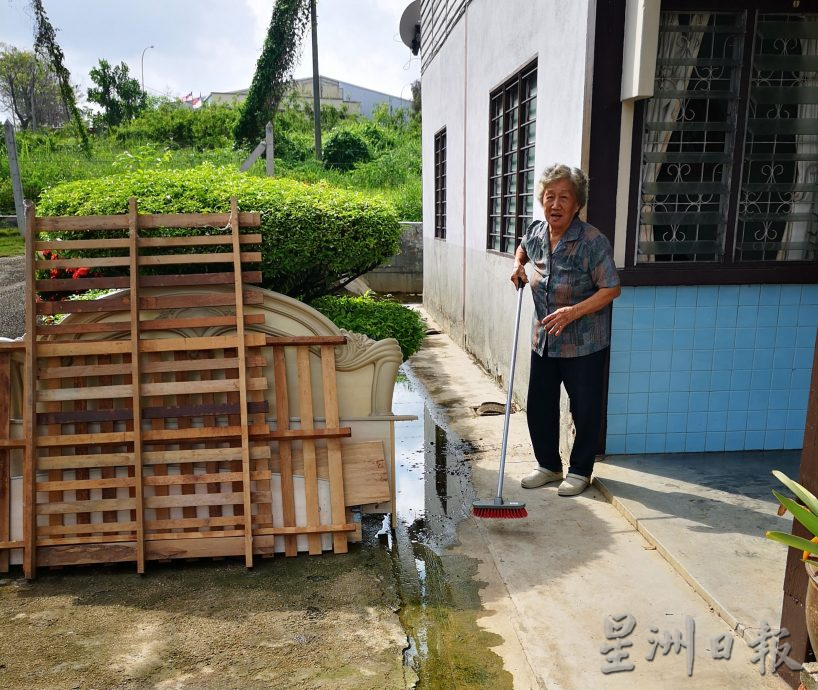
[{"x": 574, "y": 281}]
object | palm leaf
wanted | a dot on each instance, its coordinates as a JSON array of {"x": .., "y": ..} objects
[
  {"x": 796, "y": 542},
  {"x": 804, "y": 516},
  {"x": 806, "y": 497}
]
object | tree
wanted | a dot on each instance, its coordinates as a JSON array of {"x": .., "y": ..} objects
[
  {"x": 416, "y": 96},
  {"x": 30, "y": 89},
  {"x": 45, "y": 45},
  {"x": 273, "y": 69},
  {"x": 118, "y": 94}
]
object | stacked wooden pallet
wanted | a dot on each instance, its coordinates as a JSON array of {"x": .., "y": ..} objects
[{"x": 145, "y": 444}]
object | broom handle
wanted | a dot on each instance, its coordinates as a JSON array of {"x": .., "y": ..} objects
[{"x": 503, "y": 448}]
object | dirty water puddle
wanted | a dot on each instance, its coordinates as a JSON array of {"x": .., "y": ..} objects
[{"x": 438, "y": 588}]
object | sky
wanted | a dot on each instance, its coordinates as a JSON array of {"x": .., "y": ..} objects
[{"x": 201, "y": 46}]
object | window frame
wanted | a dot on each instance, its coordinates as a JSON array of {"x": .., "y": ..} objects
[
  {"x": 440, "y": 144},
  {"x": 521, "y": 221},
  {"x": 726, "y": 270}
]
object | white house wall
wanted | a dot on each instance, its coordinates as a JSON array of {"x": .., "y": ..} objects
[{"x": 466, "y": 287}]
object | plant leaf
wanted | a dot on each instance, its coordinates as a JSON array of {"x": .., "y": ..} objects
[
  {"x": 804, "y": 516},
  {"x": 791, "y": 540},
  {"x": 807, "y": 497}
]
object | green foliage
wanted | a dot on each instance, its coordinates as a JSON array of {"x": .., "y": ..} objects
[
  {"x": 119, "y": 95},
  {"x": 30, "y": 89},
  {"x": 273, "y": 69},
  {"x": 45, "y": 45},
  {"x": 11, "y": 243},
  {"x": 375, "y": 317},
  {"x": 806, "y": 514},
  {"x": 344, "y": 148},
  {"x": 315, "y": 238},
  {"x": 178, "y": 126}
]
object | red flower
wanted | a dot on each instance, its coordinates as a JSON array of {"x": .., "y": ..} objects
[{"x": 81, "y": 273}]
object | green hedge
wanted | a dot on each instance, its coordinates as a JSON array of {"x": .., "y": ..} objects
[
  {"x": 378, "y": 318},
  {"x": 314, "y": 237}
]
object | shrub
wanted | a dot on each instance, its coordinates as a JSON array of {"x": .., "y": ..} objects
[
  {"x": 179, "y": 126},
  {"x": 344, "y": 148},
  {"x": 375, "y": 317},
  {"x": 315, "y": 238}
]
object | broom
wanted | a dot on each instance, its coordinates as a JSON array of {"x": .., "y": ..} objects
[{"x": 497, "y": 507}]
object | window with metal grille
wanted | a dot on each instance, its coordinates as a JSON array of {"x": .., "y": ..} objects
[
  {"x": 729, "y": 148},
  {"x": 440, "y": 184},
  {"x": 512, "y": 123}
]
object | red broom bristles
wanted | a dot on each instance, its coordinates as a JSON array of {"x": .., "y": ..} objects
[{"x": 500, "y": 513}]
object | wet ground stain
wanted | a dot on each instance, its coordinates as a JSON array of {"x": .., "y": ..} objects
[{"x": 438, "y": 589}]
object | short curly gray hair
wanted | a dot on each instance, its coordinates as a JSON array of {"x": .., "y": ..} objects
[{"x": 577, "y": 178}]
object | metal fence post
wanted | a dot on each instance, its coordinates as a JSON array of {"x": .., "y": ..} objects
[
  {"x": 269, "y": 154},
  {"x": 16, "y": 184}
]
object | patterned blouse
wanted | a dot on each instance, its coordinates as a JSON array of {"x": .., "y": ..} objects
[{"x": 581, "y": 263}]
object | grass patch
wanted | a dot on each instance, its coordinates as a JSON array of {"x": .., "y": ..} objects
[{"x": 11, "y": 243}]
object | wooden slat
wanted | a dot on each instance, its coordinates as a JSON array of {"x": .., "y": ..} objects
[
  {"x": 12, "y": 346},
  {"x": 72, "y": 416},
  {"x": 201, "y": 322},
  {"x": 197, "y": 240},
  {"x": 118, "y": 437},
  {"x": 284, "y": 448},
  {"x": 173, "y": 479},
  {"x": 187, "y": 279},
  {"x": 194, "y": 548},
  {"x": 72, "y": 484},
  {"x": 10, "y": 443},
  {"x": 89, "y": 393},
  {"x": 91, "y": 306},
  {"x": 297, "y": 340},
  {"x": 364, "y": 467},
  {"x": 5, "y": 460},
  {"x": 221, "y": 409},
  {"x": 222, "y": 534},
  {"x": 91, "y": 528},
  {"x": 313, "y": 530},
  {"x": 311, "y": 433},
  {"x": 218, "y": 521},
  {"x": 84, "y": 347},
  {"x": 84, "y": 262},
  {"x": 206, "y": 299},
  {"x": 29, "y": 402},
  {"x": 11, "y": 544},
  {"x": 72, "y": 245},
  {"x": 336, "y": 475},
  {"x": 169, "y": 457},
  {"x": 82, "y": 284},
  {"x": 182, "y": 500},
  {"x": 72, "y": 540},
  {"x": 187, "y": 259},
  {"x": 157, "y": 422},
  {"x": 149, "y": 221},
  {"x": 69, "y": 327},
  {"x": 81, "y": 223},
  {"x": 308, "y": 446},
  {"x": 70, "y": 462},
  {"x": 60, "y": 372},
  {"x": 80, "y": 554},
  {"x": 136, "y": 388},
  {"x": 203, "y": 343},
  {"x": 93, "y": 506},
  {"x": 198, "y": 434},
  {"x": 242, "y": 353}
]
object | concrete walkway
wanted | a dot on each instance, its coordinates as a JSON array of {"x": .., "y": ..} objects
[{"x": 552, "y": 579}]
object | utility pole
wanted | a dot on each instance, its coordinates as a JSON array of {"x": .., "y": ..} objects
[{"x": 316, "y": 82}]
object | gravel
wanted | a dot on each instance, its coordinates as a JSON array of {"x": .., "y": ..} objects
[{"x": 12, "y": 296}]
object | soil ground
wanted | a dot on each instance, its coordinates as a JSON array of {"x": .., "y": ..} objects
[{"x": 305, "y": 622}]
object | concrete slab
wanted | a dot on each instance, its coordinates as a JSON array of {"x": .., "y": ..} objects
[
  {"x": 553, "y": 578},
  {"x": 694, "y": 506}
]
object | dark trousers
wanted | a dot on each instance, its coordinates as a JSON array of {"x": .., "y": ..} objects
[{"x": 583, "y": 381}]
